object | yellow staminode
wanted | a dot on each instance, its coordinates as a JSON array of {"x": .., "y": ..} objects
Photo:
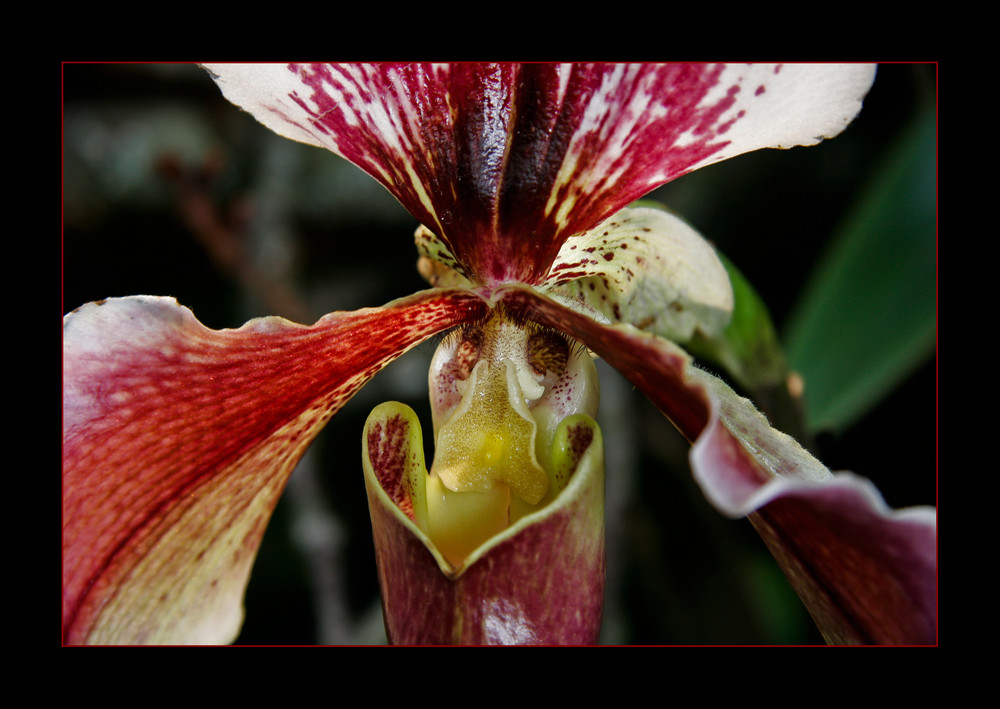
[
  {"x": 484, "y": 461},
  {"x": 490, "y": 439},
  {"x": 499, "y": 394}
]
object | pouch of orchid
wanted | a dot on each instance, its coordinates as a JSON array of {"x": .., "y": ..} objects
[{"x": 517, "y": 485}]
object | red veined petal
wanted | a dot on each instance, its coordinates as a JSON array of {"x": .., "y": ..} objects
[
  {"x": 503, "y": 162},
  {"x": 178, "y": 439},
  {"x": 867, "y": 574}
]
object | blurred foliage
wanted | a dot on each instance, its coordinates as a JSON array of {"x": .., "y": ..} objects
[
  {"x": 140, "y": 139},
  {"x": 868, "y": 317}
]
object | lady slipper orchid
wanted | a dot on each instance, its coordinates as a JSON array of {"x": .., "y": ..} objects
[{"x": 178, "y": 439}]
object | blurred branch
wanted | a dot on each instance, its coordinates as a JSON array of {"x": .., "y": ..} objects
[{"x": 223, "y": 235}]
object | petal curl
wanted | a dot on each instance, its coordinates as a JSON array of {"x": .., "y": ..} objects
[
  {"x": 503, "y": 162},
  {"x": 177, "y": 441},
  {"x": 857, "y": 591},
  {"x": 867, "y": 574}
]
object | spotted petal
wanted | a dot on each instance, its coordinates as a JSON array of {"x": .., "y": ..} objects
[
  {"x": 648, "y": 268},
  {"x": 503, "y": 162},
  {"x": 866, "y": 573},
  {"x": 177, "y": 441}
]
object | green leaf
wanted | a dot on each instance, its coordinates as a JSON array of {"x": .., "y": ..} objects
[
  {"x": 748, "y": 348},
  {"x": 867, "y": 318}
]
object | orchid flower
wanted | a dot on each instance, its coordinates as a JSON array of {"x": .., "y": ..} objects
[{"x": 178, "y": 439}]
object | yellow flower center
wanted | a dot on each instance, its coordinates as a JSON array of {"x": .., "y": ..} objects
[{"x": 496, "y": 427}]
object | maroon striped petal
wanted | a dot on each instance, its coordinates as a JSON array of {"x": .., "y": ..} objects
[
  {"x": 503, "y": 162},
  {"x": 178, "y": 439},
  {"x": 866, "y": 573}
]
